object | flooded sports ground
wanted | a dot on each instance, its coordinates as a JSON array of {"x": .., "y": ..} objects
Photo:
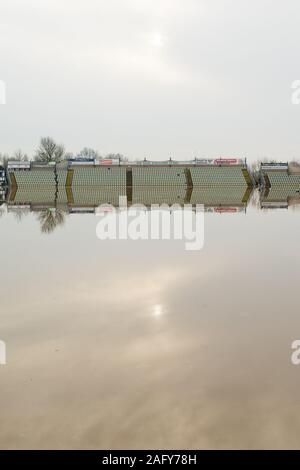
[{"x": 139, "y": 342}]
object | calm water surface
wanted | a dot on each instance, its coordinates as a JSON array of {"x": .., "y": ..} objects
[{"x": 123, "y": 344}]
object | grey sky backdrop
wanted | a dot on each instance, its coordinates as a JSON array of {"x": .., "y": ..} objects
[{"x": 152, "y": 78}]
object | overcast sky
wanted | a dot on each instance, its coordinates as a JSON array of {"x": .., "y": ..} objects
[{"x": 152, "y": 78}]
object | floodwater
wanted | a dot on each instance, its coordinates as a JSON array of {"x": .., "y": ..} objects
[{"x": 142, "y": 344}]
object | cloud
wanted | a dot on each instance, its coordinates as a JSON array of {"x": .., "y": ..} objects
[{"x": 217, "y": 80}]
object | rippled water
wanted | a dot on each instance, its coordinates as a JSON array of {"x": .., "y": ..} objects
[{"x": 141, "y": 344}]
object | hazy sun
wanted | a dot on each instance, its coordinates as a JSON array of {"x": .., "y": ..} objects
[
  {"x": 157, "y": 310},
  {"x": 156, "y": 40}
]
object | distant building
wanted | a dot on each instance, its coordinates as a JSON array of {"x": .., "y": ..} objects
[{"x": 2, "y": 176}]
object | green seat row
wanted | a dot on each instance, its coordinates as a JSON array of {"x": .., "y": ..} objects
[
  {"x": 98, "y": 176},
  {"x": 283, "y": 178},
  {"x": 34, "y": 177},
  {"x": 214, "y": 175},
  {"x": 158, "y": 176}
]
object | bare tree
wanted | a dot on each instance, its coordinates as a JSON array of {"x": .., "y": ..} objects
[
  {"x": 49, "y": 151},
  {"x": 19, "y": 156},
  {"x": 4, "y": 158},
  {"x": 89, "y": 153}
]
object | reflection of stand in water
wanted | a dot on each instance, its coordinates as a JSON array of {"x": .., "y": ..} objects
[
  {"x": 50, "y": 218},
  {"x": 53, "y": 191},
  {"x": 2, "y": 353},
  {"x": 49, "y": 213}
]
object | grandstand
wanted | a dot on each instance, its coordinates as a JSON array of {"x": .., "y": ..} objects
[
  {"x": 209, "y": 175},
  {"x": 158, "y": 176},
  {"x": 35, "y": 177},
  {"x": 98, "y": 176}
]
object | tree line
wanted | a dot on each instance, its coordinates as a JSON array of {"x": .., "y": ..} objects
[{"x": 50, "y": 151}]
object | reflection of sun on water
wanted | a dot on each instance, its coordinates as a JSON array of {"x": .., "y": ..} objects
[{"x": 157, "y": 310}]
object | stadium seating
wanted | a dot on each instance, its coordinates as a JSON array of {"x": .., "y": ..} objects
[
  {"x": 35, "y": 177},
  {"x": 283, "y": 178},
  {"x": 99, "y": 176},
  {"x": 217, "y": 175},
  {"x": 158, "y": 176}
]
